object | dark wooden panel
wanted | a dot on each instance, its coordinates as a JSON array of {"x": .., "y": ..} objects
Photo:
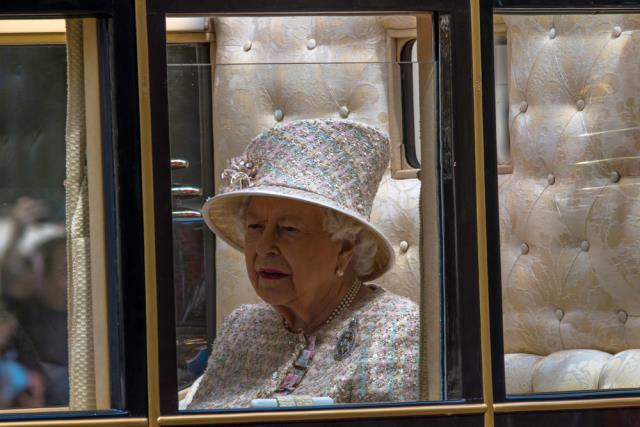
[
  {"x": 56, "y": 7},
  {"x": 436, "y": 421},
  {"x": 566, "y": 4},
  {"x": 462, "y": 294},
  {"x": 491, "y": 199},
  {"x": 300, "y": 6},
  {"x": 444, "y": 421},
  {"x": 129, "y": 231},
  {"x": 594, "y": 418},
  {"x": 166, "y": 331}
]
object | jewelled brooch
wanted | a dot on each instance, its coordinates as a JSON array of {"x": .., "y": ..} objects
[
  {"x": 239, "y": 173},
  {"x": 347, "y": 341}
]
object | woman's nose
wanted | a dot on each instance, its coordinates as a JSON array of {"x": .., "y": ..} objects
[{"x": 266, "y": 244}]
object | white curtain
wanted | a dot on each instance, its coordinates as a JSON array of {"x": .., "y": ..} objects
[{"x": 82, "y": 395}]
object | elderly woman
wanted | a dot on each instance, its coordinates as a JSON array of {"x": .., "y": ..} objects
[{"x": 297, "y": 203}]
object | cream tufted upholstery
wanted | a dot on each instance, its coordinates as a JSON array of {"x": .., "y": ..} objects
[
  {"x": 570, "y": 212},
  {"x": 256, "y": 87}
]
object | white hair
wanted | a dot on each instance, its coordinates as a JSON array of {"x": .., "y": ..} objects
[{"x": 340, "y": 227}]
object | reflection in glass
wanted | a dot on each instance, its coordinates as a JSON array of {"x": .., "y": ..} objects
[
  {"x": 569, "y": 207},
  {"x": 280, "y": 332},
  {"x": 52, "y": 284},
  {"x": 411, "y": 102},
  {"x": 33, "y": 267},
  {"x": 189, "y": 92}
]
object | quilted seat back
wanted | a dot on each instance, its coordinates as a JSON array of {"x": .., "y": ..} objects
[
  {"x": 274, "y": 70},
  {"x": 570, "y": 211}
]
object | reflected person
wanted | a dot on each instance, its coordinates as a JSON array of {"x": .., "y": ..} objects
[{"x": 297, "y": 203}]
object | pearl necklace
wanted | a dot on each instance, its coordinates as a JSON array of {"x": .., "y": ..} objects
[
  {"x": 344, "y": 304},
  {"x": 346, "y": 301}
]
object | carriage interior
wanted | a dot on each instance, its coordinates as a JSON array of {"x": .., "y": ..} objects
[{"x": 568, "y": 138}]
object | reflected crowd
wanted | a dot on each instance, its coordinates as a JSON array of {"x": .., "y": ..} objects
[{"x": 33, "y": 307}]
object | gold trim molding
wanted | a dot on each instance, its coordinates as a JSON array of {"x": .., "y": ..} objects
[
  {"x": 88, "y": 422},
  {"x": 499, "y": 26},
  {"x": 32, "y": 39},
  {"x": 146, "y": 157},
  {"x": 189, "y": 37},
  {"x": 481, "y": 223},
  {"x": 316, "y": 415}
]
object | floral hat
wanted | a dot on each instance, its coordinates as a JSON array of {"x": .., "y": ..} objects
[{"x": 336, "y": 164}]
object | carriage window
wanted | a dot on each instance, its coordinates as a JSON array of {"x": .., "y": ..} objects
[
  {"x": 410, "y": 103},
  {"x": 305, "y": 259},
  {"x": 53, "y": 332},
  {"x": 569, "y": 200}
]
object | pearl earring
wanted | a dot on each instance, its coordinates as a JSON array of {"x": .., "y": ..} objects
[{"x": 339, "y": 273}]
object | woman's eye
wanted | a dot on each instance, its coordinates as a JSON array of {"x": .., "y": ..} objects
[
  {"x": 289, "y": 230},
  {"x": 254, "y": 227}
]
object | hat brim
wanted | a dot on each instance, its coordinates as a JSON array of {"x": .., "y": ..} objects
[{"x": 220, "y": 213}]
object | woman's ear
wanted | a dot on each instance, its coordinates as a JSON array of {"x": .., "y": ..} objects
[{"x": 345, "y": 255}]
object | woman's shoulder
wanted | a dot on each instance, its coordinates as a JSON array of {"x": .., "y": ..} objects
[
  {"x": 252, "y": 313},
  {"x": 387, "y": 304},
  {"x": 247, "y": 322},
  {"x": 383, "y": 311}
]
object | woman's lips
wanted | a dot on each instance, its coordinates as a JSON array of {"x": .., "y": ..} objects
[{"x": 271, "y": 274}]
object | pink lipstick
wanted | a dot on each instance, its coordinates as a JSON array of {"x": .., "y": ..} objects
[{"x": 271, "y": 274}]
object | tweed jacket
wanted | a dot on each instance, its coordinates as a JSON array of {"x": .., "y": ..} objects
[{"x": 254, "y": 351}]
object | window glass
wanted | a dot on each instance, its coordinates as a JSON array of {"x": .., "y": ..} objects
[
  {"x": 53, "y": 331},
  {"x": 297, "y": 300},
  {"x": 568, "y": 146},
  {"x": 411, "y": 102},
  {"x": 34, "y": 262},
  {"x": 189, "y": 76}
]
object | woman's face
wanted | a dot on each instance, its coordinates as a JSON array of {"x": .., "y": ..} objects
[{"x": 290, "y": 259}]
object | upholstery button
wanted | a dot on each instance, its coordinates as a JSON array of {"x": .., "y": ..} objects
[
  {"x": 247, "y": 46},
  {"x": 616, "y": 31},
  {"x": 551, "y": 179},
  {"x": 623, "y": 316},
  {"x": 614, "y": 176},
  {"x": 404, "y": 246},
  {"x": 524, "y": 249},
  {"x": 552, "y": 33},
  {"x": 584, "y": 245},
  {"x": 311, "y": 44},
  {"x": 580, "y": 104},
  {"x": 524, "y": 106},
  {"x": 344, "y": 112},
  {"x": 278, "y": 114},
  {"x": 559, "y": 313}
]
